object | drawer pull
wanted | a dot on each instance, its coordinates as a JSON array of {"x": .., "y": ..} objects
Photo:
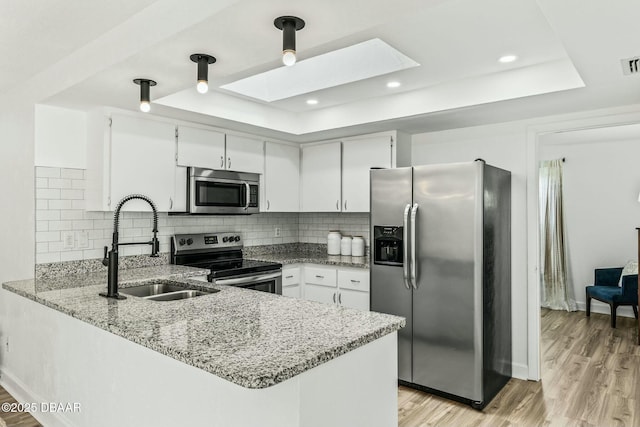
[
  {"x": 319, "y": 276},
  {"x": 355, "y": 281},
  {"x": 288, "y": 277}
]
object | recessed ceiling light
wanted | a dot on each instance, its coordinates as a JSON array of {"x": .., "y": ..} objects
[
  {"x": 507, "y": 58},
  {"x": 312, "y": 102},
  {"x": 393, "y": 84}
]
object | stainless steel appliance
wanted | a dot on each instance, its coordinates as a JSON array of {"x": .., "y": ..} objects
[
  {"x": 221, "y": 253},
  {"x": 222, "y": 192},
  {"x": 442, "y": 259}
]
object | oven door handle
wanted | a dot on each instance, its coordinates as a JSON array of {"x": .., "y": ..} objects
[{"x": 245, "y": 280}]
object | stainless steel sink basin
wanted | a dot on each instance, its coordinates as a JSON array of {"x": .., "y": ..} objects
[
  {"x": 172, "y": 296},
  {"x": 164, "y": 291}
]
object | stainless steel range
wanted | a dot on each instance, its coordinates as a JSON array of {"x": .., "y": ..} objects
[{"x": 221, "y": 253}]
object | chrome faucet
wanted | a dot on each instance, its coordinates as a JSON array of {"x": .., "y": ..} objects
[{"x": 111, "y": 258}]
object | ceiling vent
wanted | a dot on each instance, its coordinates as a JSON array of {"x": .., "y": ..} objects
[{"x": 630, "y": 65}]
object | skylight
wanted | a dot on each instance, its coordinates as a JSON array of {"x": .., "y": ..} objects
[{"x": 351, "y": 64}]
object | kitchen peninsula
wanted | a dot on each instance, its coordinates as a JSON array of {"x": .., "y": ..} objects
[{"x": 233, "y": 358}]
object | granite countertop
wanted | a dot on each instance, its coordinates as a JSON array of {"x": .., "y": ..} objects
[
  {"x": 300, "y": 253},
  {"x": 253, "y": 339}
]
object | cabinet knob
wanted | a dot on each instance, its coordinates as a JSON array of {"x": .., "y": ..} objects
[
  {"x": 170, "y": 203},
  {"x": 288, "y": 277},
  {"x": 355, "y": 281},
  {"x": 345, "y": 205},
  {"x": 268, "y": 205},
  {"x": 337, "y": 205},
  {"x": 334, "y": 297},
  {"x": 221, "y": 161},
  {"x": 339, "y": 298},
  {"x": 319, "y": 277},
  {"x": 228, "y": 162}
]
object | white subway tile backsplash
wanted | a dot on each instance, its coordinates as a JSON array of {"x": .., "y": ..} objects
[
  {"x": 59, "y": 204},
  {"x": 47, "y": 236},
  {"x": 61, "y": 225},
  {"x": 59, "y": 183},
  {"x": 44, "y": 258},
  {"x": 72, "y": 194},
  {"x": 47, "y": 193},
  {"x": 72, "y": 173},
  {"x": 46, "y": 215},
  {"x": 45, "y": 172},
  {"x": 69, "y": 214}
]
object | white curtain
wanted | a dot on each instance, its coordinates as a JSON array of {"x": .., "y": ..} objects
[{"x": 557, "y": 292}]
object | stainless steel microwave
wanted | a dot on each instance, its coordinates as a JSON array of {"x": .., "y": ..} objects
[{"x": 222, "y": 192}]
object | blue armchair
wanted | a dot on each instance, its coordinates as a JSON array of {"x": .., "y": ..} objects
[{"x": 605, "y": 288}]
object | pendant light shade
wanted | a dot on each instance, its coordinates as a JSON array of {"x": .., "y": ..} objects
[
  {"x": 145, "y": 99},
  {"x": 289, "y": 25},
  {"x": 203, "y": 60}
]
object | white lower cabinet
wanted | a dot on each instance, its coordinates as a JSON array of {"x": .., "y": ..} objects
[
  {"x": 291, "y": 285},
  {"x": 342, "y": 286}
]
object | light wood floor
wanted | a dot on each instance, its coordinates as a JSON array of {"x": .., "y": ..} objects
[
  {"x": 15, "y": 419},
  {"x": 590, "y": 377}
]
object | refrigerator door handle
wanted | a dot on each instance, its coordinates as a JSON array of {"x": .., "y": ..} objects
[
  {"x": 414, "y": 264},
  {"x": 405, "y": 249}
]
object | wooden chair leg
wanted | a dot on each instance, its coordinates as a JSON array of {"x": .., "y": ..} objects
[
  {"x": 614, "y": 309},
  {"x": 635, "y": 310},
  {"x": 588, "y": 305}
]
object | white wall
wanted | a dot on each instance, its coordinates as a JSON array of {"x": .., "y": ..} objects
[
  {"x": 60, "y": 137},
  {"x": 503, "y": 146},
  {"x": 16, "y": 187},
  {"x": 601, "y": 186}
]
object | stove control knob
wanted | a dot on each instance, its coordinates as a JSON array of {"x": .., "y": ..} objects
[
  {"x": 225, "y": 239},
  {"x": 182, "y": 242},
  {"x": 237, "y": 238},
  {"x": 189, "y": 241}
]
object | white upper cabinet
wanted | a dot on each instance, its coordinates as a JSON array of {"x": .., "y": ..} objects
[
  {"x": 244, "y": 154},
  {"x": 358, "y": 157},
  {"x": 281, "y": 178},
  {"x": 142, "y": 162},
  {"x": 321, "y": 178},
  {"x": 201, "y": 148}
]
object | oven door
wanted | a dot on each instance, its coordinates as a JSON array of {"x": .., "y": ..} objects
[
  {"x": 270, "y": 282},
  {"x": 222, "y": 192}
]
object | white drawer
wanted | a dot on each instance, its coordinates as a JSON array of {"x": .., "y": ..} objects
[
  {"x": 356, "y": 279},
  {"x": 290, "y": 276},
  {"x": 320, "y": 276},
  {"x": 291, "y": 291}
]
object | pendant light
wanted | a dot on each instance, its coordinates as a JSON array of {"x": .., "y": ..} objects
[
  {"x": 145, "y": 100},
  {"x": 203, "y": 60},
  {"x": 289, "y": 25}
]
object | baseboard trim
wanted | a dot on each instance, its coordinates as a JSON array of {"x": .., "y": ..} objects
[
  {"x": 20, "y": 392},
  {"x": 520, "y": 371}
]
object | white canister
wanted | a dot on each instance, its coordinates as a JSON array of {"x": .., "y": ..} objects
[
  {"x": 345, "y": 245},
  {"x": 333, "y": 242},
  {"x": 357, "y": 246}
]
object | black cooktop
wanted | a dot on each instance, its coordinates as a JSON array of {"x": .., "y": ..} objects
[{"x": 241, "y": 267}]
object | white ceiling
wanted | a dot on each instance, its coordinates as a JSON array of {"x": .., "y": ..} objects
[{"x": 88, "y": 52}]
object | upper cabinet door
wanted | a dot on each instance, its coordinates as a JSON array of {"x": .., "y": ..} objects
[
  {"x": 282, "y": 178},
  {"x": 200, "y": 148},
  {"x": 142, "y": 162},
  {"x": 321, "y": 178},
  {"x": 358, "y": 157},
  {"x": 245, "y": 154}
]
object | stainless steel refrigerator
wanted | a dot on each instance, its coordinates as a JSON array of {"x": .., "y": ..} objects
[{"x": 441, "y": 258}]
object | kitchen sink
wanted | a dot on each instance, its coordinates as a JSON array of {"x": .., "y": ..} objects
[{"x": 165, "y": 291}]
